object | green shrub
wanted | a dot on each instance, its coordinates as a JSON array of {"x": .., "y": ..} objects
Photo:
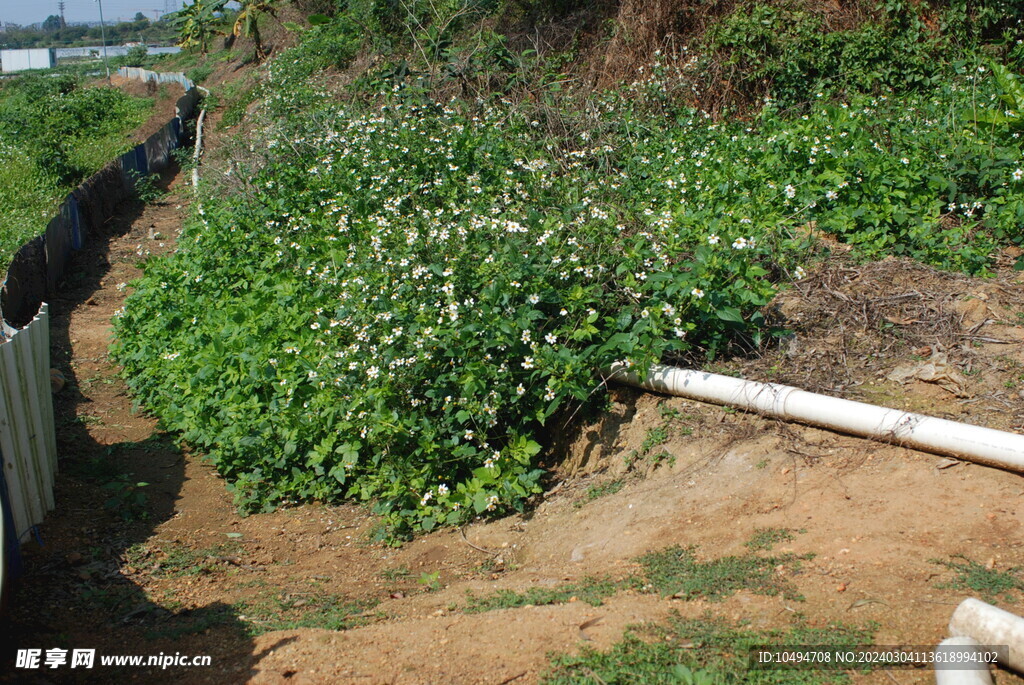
[
  {"x": 200, "y": 73},
  {"x": 786, "y": 51},
  {"x": 136, "y": 56}
]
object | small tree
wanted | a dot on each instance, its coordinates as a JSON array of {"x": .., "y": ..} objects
[
  {"x": 52, "y": 23},
  {"x": 197, "y": 23},
  {"x": 248, "y": 21},
  {"x": 136, "y": 56}
]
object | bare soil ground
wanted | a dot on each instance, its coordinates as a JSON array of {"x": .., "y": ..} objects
[{"x": 304, "y": 595}]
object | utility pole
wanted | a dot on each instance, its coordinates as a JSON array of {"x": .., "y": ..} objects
[
  {"x": 60, "y": 7},
  {"x": 103, "y": 37}
]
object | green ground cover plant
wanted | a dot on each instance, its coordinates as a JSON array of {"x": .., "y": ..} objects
[
  {"x": 319, "y": 610},
  {"x": 593, "y": 591},
  {"x": 698, "y": 651},
  {"x": 671, "y": 572},
  {"x": 676, "y": 572},
  {"x": 390, "y": 298},
  {"x": 602, "y": 490},
  {"x": 175, "y": 561},
  {"x": 764, "y": 539},
  {"x": 54, "y": 132},
  {"x": 990, "y": 583}
]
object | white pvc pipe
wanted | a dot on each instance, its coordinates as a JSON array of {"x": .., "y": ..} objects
[
  {"x": 956, "y": 649},
  {"x": 961, "y": 440},
  {"x": 991, "y": 626},
  {"x": 198, "y": 150}
]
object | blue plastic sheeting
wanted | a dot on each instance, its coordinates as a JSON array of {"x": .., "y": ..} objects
[
  {"x": 25, "y": 283},
  {"x": 58, "y": 242},
  {"x": 77, "y": 239},
  {"x": 140, "y": 157}
]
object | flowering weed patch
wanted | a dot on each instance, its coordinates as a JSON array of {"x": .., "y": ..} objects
[{"x": 400, "y": 295}]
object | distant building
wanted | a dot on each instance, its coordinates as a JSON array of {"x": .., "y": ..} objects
[
  {"x": 22, "y": 60},
  {"x": 112, "y": 51}
]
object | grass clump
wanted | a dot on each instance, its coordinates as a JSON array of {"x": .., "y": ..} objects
[
  {"x": 176, "y": 561},
  {"x": 673, "y": 571},
  {"x": 269, "y": 613},
  {"x": 698, "y": 652},
  {"x": 655, "y": 436},
  {"x": 597, "y": 491},
  {"x": 991, "y": 584},
  {"x": 676, "y": 572},
  {"x": 593, "y": 591},
  {"x": 320, "y": 610},
  {"x": 764, "y": 539},
  {"x": 193, "y": 622}
]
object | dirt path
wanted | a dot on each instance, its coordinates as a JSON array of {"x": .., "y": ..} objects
[
  {"x": 73, "y": 593},
  {"x": 304, "y": 595}
]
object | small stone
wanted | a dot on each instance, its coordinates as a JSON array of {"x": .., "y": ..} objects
[{"x": 57, "y": 381}]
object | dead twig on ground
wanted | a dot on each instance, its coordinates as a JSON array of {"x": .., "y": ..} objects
[{"x": 462, "y": 534}]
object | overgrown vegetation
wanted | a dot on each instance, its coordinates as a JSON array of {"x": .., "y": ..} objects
[
  {"x": 387, "y": 299},
  {"x": 54, "y": 132}
]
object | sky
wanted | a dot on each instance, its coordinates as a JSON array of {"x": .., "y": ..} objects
[{"x": 33, "y": 11}]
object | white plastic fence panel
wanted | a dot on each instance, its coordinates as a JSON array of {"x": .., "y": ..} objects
[{"x": 27, "y": 438}]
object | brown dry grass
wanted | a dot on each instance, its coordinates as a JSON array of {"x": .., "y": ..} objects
[{"x": 854, "y": 323}]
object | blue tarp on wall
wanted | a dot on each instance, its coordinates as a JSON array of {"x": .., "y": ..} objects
[{"x": 77, "y": 239}]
